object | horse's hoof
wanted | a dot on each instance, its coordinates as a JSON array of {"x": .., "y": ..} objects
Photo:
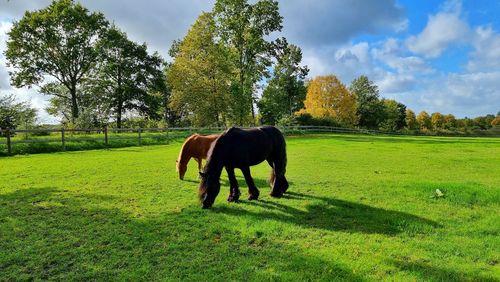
[
  {"x": 233, "y": 198},
  {"x": 276, "y": 195},
  {"x": 253, "y": 197}
]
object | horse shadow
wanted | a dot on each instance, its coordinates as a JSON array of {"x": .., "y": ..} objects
[{"x": 335, "y": 215}]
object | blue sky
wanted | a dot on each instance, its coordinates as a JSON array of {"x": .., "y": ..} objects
[{"x": 431, "y": 55}]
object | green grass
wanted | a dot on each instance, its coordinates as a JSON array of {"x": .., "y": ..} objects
[{"x": 359, "y": 208}]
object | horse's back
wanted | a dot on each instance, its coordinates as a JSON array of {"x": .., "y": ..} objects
[{"x": 251, "y": 146}]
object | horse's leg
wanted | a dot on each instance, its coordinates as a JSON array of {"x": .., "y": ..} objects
[
  {"x": 280, "y": 184},
  {"x": 234, "y": 194},
  {"x": 272, "y": 177},
  {"x": 199, "y": 163},
  {"x": 252, "y": 189}
]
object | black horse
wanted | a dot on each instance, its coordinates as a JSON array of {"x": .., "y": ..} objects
[{"x": 242, "y": 148}]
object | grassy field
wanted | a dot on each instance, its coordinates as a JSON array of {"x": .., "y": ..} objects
[{"x": 359, "y": 208}]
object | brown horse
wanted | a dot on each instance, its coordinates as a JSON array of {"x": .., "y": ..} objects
[{"x": 196, "y": 146}]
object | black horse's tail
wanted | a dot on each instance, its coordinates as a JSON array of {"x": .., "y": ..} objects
[{"x": 279, "y": 161}]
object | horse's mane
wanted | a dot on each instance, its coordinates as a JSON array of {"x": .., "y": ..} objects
[{"x": 184, "y": 146}]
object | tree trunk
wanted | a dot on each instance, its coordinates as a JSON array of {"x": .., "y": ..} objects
[
  {"x": 119, "y": 110},
  {"x": 74, "y": 103}
]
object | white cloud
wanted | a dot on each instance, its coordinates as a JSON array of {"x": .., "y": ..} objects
[
  {"x": 460, "y": 94},
  {"x": 442, "y": 30},
  {"x": 392, "y": 54},
  {"x": 486, "y": 55}
]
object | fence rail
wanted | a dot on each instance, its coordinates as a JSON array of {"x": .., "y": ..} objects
[{"x": 11, "y": 137}]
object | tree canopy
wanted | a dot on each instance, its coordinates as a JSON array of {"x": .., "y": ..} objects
[
  {"x": 60, "y": 42},
  {"x": 328, "y": 97}
]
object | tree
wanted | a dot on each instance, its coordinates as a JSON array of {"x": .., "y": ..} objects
[
  {"x": 437, "y": 121},
  {"x": 13, "y": 114},
  {"x": 424, "y": 120},
  {"x": 286, "y": 90},
  {"x": 410, "y": 119},
  {"x": 496, "y": 121},
  {"x": 395, "y": 115},
  {"x": 450, "y": 122},
  {"x": 127, "y": 75},
  {"x": 370, "y": 109},
  {"x": 201, "y": 76},
  {"x": 244, "y": 27},
  {"x": 327, "y": 97},
  {"x": 484, "y": 122},
  {"x": 59, "y": 42}
]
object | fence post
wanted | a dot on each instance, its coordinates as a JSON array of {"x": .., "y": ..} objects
[
  {"x": 140, "y": 141},
  {"x": 9, "y": 145},
  {"x": 106, "y": 135},
  {"x": 63, "y": 141}
]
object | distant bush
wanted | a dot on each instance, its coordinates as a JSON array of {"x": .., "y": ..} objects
[{"x": 308, "y": 119}]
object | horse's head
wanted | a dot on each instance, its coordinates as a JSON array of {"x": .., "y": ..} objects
[
  {"x": 181, "y": 169},
  {"x": 208, "y": 190}
]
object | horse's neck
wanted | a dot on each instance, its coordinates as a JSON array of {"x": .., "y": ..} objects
[
  {"x": 215, "y": 164},
  {"x": 186, "y": 153}
]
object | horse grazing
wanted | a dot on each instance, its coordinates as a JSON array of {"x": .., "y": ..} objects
[
  {"x": 242, "y": 148},
  {"x": 196, "y": 146}
]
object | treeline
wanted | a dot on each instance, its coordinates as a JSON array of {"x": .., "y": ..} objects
[
  {"x": 329, "y": 102},
  {"x": 225, "y": 71}
]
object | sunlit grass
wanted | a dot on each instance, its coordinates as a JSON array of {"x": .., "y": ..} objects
[{"x": 359, "y": 208}]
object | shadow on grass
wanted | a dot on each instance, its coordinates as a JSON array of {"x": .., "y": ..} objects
[
  {"x": 433, "y": 273},
  {"x": 336, "y": 215},
  {"x": 54, "y": 234}
]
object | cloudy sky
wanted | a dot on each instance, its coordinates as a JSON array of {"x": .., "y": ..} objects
[{"x": 431, "y": 55}]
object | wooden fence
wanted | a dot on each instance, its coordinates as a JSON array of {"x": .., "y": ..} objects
[{"x": 11, "y": 137}]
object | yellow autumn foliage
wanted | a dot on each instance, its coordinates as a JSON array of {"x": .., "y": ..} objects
[{"x": 327, "y": 97}]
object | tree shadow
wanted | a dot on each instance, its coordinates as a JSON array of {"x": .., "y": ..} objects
[
  {"x": 337, "y": 215},
  {"x": 433, "y": 273},
  {"x": 54, "y": 234}
]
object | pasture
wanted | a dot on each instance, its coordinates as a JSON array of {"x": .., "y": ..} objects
[{"x": 359, "y": 208}]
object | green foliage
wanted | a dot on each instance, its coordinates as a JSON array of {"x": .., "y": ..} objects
[
  {"x": 122, "y": 214},
  {"x": 370, "y": 109},
  {"x": 286, "y": 91},
  {"x": 308, "y": 119},
  {"x": 60, "y": 42},
  {"x": 201, "y": 77},
  {"x": 126, "y": 76},
  {"x": 395, "y": 115},
  {"x": 243, "y": 28},
  {"x": 14, "y": 114}
]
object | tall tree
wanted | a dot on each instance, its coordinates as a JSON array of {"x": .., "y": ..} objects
[
  {"x": 370, "y": 108},
  {"x": 450, "y": 121},
  {"x": 411, "y": 119},
  {"x": 437, "y": 121},
  {"x": 127, "y": 75},
  {"x": 286, "y": 91},
  {"x": 424, "y": 120},
  {"x": 328, "y": 97},
  {"x": 201, "y": 75},
  {"x": 59, "y": 42},
  {"x": 395, "y": 115},
  {"x": 244, "y": 27}
]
